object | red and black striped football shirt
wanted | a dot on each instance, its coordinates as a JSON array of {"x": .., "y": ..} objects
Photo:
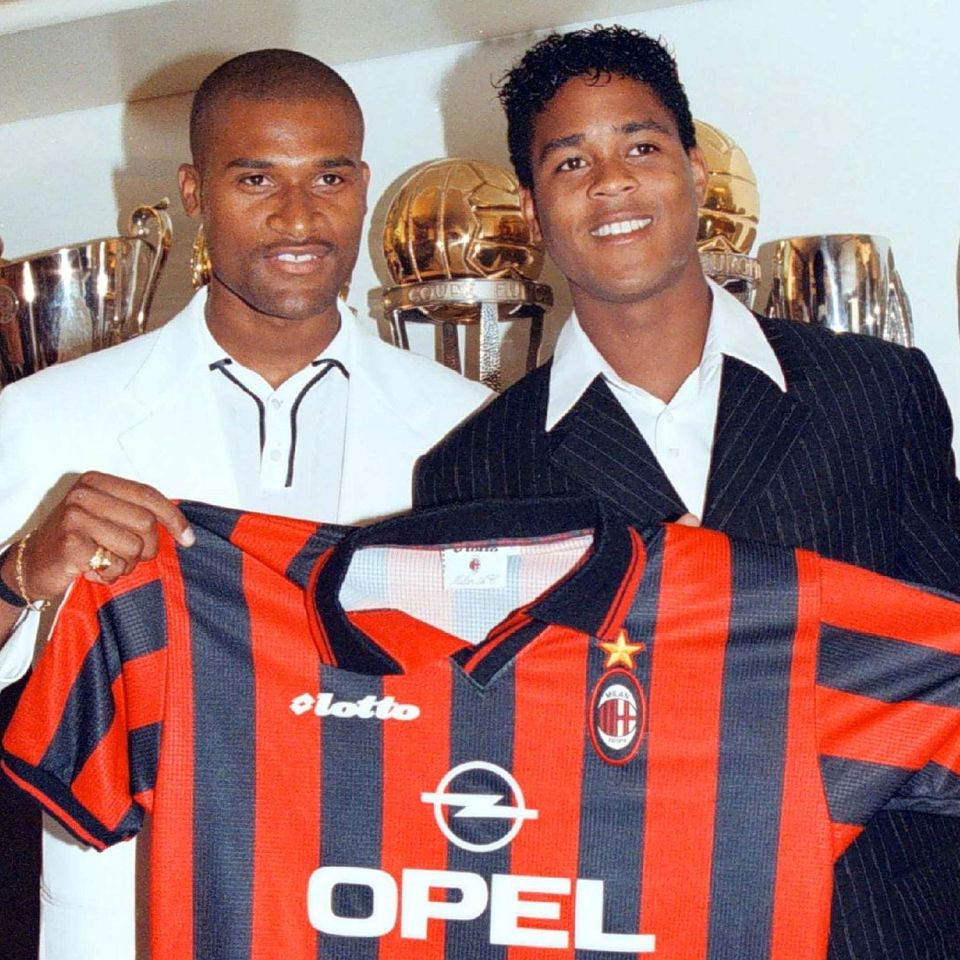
[{"x": 512, "y": 730}]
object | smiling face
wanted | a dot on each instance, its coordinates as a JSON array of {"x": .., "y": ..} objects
[
  {"x": 615, "y": 194},
  {"x": 281, "y": 191}
]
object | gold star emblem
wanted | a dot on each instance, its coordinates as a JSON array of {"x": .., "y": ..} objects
[{"x": 621, "y": 650}]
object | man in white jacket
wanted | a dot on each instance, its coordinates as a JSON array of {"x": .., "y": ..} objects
[{"x": 263, "y": 394}]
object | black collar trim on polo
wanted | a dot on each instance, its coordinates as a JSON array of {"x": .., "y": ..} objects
[{"x": 583, "y": 600}]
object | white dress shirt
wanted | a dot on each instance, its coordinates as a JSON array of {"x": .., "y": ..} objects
[
  {"x": 285, "y": 444},
  {"x": 679, "y": 433}
]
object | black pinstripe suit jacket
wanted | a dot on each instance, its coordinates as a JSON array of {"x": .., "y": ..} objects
[{"x": 853, "y": 461}]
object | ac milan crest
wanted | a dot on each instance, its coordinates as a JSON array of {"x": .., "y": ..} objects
[{"x": 618, "y": 716}]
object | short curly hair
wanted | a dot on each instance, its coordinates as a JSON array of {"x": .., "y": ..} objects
[{"x": 593, "y": 53}]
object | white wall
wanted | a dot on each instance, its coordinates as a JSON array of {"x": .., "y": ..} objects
[{"x": 845, "y": 108}]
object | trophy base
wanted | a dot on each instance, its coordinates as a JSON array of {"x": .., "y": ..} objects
[
  {"x": 735, "y": 272},
  {"x": 475, "y": 303}
]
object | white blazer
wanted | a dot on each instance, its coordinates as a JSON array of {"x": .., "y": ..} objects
[{"x": 144, "y": 410}]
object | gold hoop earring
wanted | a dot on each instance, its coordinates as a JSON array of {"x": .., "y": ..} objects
[{"x": 200, "y": 269}]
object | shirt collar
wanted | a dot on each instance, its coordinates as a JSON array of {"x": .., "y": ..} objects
[
  {"x": 592, "y": 599},
  {"x": 340, "y": 349},
  {"x": 733, "y": 331}
]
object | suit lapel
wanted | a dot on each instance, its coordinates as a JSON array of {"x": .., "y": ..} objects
[
  {"x": 600, "y": 446},
  {"x": 756, "y": 426},
  {"x": 173, "y": 437}
]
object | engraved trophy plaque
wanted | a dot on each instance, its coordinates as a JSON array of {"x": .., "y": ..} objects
[
  {"x": 847, "y": 282},
  {"x": 63, "y": 303},
  {"x": 461, "y": 254}
]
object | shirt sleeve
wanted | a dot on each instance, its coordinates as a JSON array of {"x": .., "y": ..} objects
[
  {"x": 85, "y": 738},
  {"x": 26, "y": 471},
  {"x": 888, "y": 697}
]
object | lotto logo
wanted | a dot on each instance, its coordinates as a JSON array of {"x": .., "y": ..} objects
[{"x": 367, "y": 708}]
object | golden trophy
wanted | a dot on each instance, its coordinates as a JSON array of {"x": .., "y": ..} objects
[
  {"x": 63, "y": 303},
  {"x": 201, "y": 270},
  {"x": 729, "y": 214},
  {"x": 460, "y": 252},
  {"x": 845, "y": 281}
]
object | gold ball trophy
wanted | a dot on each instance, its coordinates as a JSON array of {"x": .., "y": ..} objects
[
  {"x": 729, "y": 214},
  {"x": 460, "y": 252},
  {"x": 62, "y": 303}
]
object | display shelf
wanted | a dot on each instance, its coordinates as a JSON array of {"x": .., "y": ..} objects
[{"x": 61, "y": 55}]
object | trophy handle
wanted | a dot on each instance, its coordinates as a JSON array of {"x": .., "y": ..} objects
[
  {"x": 140, "y": 221},
  {"x": 899, "y": 314},
  {"x": 776, "y": 305}
]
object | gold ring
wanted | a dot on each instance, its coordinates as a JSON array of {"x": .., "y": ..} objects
[{"x": 100, "y": 560}]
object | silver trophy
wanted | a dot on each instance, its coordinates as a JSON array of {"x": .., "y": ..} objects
[
  {"x": 846, "y": 281},
  {"x": 63, "y": 303}
]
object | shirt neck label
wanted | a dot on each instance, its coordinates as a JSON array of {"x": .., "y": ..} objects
[{"x": 475, "y": 568}]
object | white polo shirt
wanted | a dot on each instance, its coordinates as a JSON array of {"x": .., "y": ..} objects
[
  {"x": 285, "y": 444},
  {"x": 679, "y": 433}
]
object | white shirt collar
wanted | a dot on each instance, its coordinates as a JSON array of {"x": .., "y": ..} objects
[
  {"x": 733, "y": 331},
  {"x": 340, "y": 348}
]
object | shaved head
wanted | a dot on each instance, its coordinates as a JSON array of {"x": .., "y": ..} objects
[{"x": 280, "y": 75}]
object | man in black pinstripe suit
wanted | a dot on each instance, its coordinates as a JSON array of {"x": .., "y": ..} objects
[{"x": 666, "y": 397}]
